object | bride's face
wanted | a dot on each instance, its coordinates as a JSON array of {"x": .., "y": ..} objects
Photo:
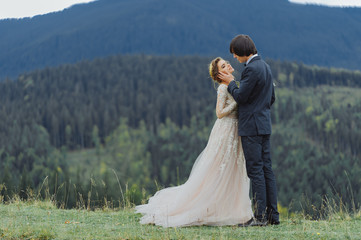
[{"x": 225, "y": 67}]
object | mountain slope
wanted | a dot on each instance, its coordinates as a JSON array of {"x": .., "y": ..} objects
[{"x": 281, "y": 30}]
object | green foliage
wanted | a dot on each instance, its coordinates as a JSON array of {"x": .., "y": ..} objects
[
  {"x": 293, "y": 75},
  {"x": 310, "y": 149},
  {"x": 113, "y": 131},
  {"x": 128, "y": 150}
]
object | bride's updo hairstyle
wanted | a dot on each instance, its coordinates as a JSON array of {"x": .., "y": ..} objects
[{"x": 213, "y": 70}]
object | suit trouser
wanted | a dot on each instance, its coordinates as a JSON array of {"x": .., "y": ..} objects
[{"x": 259, "y": 169}]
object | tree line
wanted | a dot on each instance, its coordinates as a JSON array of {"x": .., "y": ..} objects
[{"x": 143, "y": 120}]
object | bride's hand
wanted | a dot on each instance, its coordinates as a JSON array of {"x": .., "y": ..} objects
[{"x": 226, "y": 77}]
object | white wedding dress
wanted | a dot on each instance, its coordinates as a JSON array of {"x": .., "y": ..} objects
[{"x": 217, "y": 190}]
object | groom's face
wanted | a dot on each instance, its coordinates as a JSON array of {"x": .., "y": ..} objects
[{"x": 239, "y": 58}]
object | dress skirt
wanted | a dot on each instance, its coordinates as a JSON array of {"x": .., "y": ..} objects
[{"x": 216, "y": 192}]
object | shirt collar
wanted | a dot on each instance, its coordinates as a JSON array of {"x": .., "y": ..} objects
[{"x": 251, "y": 58}]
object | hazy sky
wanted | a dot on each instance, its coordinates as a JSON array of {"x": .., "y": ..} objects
[
  {"x": 30, "y": 8},
  {"x": 345, "y": 3}
]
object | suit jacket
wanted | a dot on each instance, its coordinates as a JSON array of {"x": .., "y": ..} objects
[{"x": 254, "y": 96}]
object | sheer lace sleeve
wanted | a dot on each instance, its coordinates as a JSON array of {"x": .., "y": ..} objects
[{"x": 223, "y": 109}]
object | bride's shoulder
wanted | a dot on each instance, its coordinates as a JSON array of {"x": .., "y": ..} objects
[{"x": 222, "y": 87}]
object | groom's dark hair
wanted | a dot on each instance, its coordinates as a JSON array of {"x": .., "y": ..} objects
[{"x": 242, "y": 45}]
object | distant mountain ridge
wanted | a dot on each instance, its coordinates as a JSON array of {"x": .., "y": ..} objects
[{"x": 281, "y": 30}]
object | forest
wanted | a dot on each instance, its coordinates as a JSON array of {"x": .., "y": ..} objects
[{"x": 99, "y": 132}]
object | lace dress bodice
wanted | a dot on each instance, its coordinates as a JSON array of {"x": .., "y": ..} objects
[{"x": 226, "y": 105}]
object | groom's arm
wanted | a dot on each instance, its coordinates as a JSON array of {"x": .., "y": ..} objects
[
  {"x": 247, "y": 83},
  {"x": 273, "y": 99}
]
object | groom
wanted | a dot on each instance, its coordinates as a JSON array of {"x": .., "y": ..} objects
[{"x": 254, "y": 96}]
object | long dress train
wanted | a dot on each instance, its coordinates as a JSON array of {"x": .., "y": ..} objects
[{"x": 217, "y": 190}]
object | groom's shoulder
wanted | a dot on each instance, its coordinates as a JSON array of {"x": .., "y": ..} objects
[
  {"x": 258, "y": 62},
  {"x": 255, "y": 61}
]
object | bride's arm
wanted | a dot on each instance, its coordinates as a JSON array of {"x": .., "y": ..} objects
[{"x": 221, "y": 108}]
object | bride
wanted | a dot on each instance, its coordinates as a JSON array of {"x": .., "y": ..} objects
[{"x": 217, "y": 190}]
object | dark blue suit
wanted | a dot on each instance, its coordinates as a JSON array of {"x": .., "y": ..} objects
[{"x": 254, "y": 96}]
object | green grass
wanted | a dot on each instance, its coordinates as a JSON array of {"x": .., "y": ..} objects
[{"x": 42, "y": 220}]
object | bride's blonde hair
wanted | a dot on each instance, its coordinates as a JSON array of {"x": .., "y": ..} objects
[{"x": 213, "y": 70}]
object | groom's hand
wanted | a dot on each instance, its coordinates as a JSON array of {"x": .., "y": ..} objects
[{"x": 226, "y": 77}]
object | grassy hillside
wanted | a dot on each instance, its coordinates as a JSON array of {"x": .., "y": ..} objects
[{"x": 42, "y": 220}]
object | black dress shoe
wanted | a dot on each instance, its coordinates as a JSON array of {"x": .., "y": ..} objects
[
  {"x": 253, "y": 222},
  {"x": 273, "y": 222}
]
